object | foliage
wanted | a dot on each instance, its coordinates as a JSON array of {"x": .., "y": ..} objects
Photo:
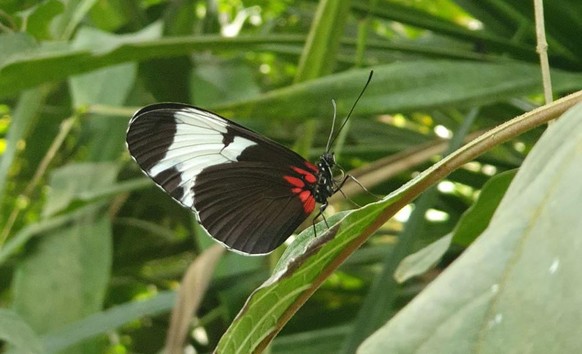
[{"x": 91, "y": 253}]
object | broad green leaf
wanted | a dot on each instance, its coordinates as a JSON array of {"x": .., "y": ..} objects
[
  {"x": 18, "y": 334},
  {"x": 68, "y": 196},
  {"x": 107, "y": 321},
  {"x": 319, "y": 341},
  {"x": 15, "y": 45},
  {"x": 472, "y": 223},
  {"x": 22, "y": 236},
  {"x": 422, "y": 260},
  {"x": 39, "y": 18},
  {"x": 405, "y": 86},
  {"x": 476, "y": 219},
  {"x": 73, "y": 181},
  {"x": 169, "y": 79},
  {"x": 215, "y": 82},
  {"x": 515, "y": 289},
  {"x": 309, "y": 261},
  {"x": 378, "y": 304},
  {"x": 64, "y": 279},
  {"x": 52, "y": 62},
  {"x": 68, "y": 271},
  {"x": 108, "y": 86},
  {"x": 113, "y": 190},
  {"x": 303, "y": 262},
  {"x": 111, "y": 15},
  {"x": 49, "y": 63}
]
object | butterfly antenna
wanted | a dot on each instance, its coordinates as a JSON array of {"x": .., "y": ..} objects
[
  {"x": 332, "y": 125},
  {"x": 351, "y": 110}
]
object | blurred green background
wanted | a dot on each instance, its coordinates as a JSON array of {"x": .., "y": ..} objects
[{"x": 91, "y": 252}]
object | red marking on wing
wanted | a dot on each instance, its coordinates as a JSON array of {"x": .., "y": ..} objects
[
  {"x": 308, "y": 201},
  {"x": 294, "y": 181},
  {"x": 305, "y": 195},
  {"x": 311, "y": 166},
  {"x": 309, "y": 177}
]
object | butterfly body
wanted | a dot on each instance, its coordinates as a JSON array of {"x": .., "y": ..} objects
[
  {"x": 247, "y": 191},
  {"x": 324, "y": 188}
]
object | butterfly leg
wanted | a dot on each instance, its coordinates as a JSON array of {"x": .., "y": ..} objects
[
  {"x": 338, "y": 187},
  {"x": 321, "y": 210}
]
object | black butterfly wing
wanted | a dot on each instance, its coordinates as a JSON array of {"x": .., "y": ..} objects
[{"x": 247, "y": 191}]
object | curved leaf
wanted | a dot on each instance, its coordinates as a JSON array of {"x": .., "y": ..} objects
[
  {"x": 108, "y": 320},
  {"x": 476, "y": 219},
  {"x": 401, "y": 87},
  {"x": 515, "y": 289},
  {"x": 311, "y": 260},
  {"x": 15, "y": 331}
]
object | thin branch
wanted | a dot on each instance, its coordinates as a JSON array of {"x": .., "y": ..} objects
[{"x": 542, "y": 49}]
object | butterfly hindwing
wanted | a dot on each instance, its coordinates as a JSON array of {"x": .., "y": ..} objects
[
  {"x": 247, "y": 191},
  {"x": 248, "y": 205}
]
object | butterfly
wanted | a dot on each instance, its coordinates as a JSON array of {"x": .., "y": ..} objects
[{"x": 247, "y": 191}]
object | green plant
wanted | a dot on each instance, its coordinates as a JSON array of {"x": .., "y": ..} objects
[{"x": 91, "y": 253}]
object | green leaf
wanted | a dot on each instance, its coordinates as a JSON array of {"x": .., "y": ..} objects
[
  {"x": 44, "y": 226},
  {"x": 72, "y": 182},
  {"x": 113, "y": 14},
  {"x": 66, "y": 23},
  {"x": 410, "y": 86},
  {"x": 40, "y": 17},
  {"x": 473, "y": 222},
  {"x": 50, "y": 63},
  {"x": 67, "y": 273},
  {"x": 25, "y": 115},
  {"x": 422, "y": 260},
  {"x": 378, "y": 305},
  {"x": 54, "y": 61},
  {"x": 217, "y": 82},
  {"x": 108, "y": 86},
  {"x": 68, "y": 270},
  {"x": 422, "y": 19},
  {"x": 16, "y": 332},
  {"x": 14, "y": 45},
  {"x": 113, "y": 190},
  {"x": 303, "y": 263},
  {"x": 476, "y": 219},
  {"x": 515, "y": 289},
  {"x": 29, "y": 103},
  {"x": 72, "y": 195},
  {"x": 327, "y": 340},
  {"x": 320, "y": 50},
  {"x": 107, "y": 321},
  {"x": 306, "y": 265}
]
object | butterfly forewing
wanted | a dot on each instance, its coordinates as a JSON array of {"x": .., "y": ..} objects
[{"x": 247, "y": 191}]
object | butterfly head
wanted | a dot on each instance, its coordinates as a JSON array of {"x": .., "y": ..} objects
[{"x": 327, "y": 160}]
